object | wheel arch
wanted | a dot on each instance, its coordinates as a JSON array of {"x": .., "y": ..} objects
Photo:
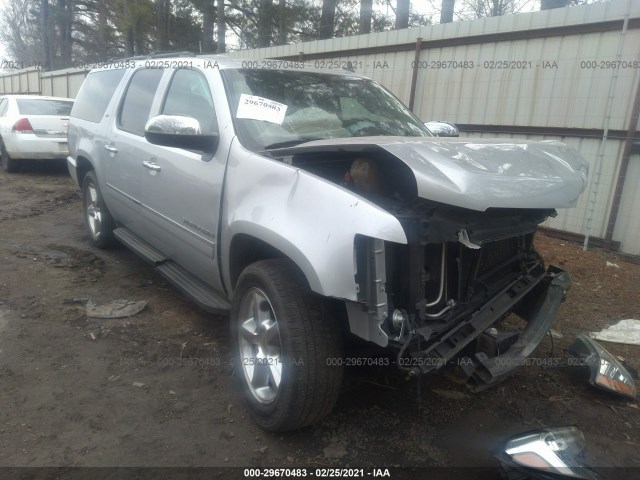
[
  {"x": 245, "y": 249},
  {"x": 83, "y": 165}
]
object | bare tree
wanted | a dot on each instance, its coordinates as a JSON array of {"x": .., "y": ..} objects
[
  {"x": 489, "y": 8},
  {"x": 19, "y": 32}
]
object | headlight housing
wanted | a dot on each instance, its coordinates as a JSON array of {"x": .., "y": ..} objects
[
  {"x": 606, "y": 372},
  {"x": 552, "y": 451}
]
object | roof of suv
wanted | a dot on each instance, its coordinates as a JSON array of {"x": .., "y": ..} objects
[{"x": 227, "y": 62}]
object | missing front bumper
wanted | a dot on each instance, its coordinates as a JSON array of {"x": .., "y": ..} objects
[{"x": 534, "y": 298}]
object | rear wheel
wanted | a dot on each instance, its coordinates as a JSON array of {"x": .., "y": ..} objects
[
  {"x": 9, "y": 165},
  {"x": 284, "y": 338},
  {"x": 97, "y": 218}
]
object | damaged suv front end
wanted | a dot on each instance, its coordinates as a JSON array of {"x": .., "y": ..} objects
[
  {"x": 426, "y": 241},
  {"x": 467, "y": 263}
]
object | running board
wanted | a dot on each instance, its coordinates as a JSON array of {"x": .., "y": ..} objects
[
  {"x": 201, "y": 293},
  {"x": 198, "y": 291},
  {"x": 142, "y": 248}
]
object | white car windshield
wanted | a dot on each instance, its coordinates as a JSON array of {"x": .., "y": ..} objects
[{"x": 278, "y": 108}]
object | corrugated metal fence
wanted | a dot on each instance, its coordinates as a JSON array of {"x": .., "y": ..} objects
[{"x": 571, "y": 74}]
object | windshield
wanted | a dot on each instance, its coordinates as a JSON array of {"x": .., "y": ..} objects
[{"x": 278, "y": 108}]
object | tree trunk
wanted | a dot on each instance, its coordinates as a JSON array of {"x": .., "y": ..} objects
[
  {"x": 265, "y": 14},
  {"x": 327, "y": 18},
  {"x": 66, "y": 18},
  {"x": 446, "y": 13},
  {"x": 138, "y": 36},
  {"x": 207, "y": 26},
  {"x": 366, "y": 13},
  {"x": 101, "y": 48},
  {"x": 549, "y": 4},
  {"x": 44, "y": 34},
  {"x": 282, "y": 22},
  {"x": 129, "y": 42},
  {"x": 402, "y": 14},
  {"x": 163, "y": 13},
  {"x": 222, "y": 27}
]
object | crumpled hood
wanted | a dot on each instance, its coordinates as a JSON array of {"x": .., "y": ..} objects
[{"x": 479, "y": 173}]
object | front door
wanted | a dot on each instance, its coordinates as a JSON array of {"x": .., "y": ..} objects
[{"x": 182, "y": 188}]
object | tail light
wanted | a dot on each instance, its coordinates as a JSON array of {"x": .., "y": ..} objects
[{"x": 22, "y": 126}]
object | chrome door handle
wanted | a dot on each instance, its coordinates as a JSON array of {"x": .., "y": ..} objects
[
  {"x": 151, "y": 165},
  {"x": 111, "y": 149}
]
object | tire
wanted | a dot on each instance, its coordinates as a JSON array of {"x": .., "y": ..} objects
[
  {"x": 9, "y": 165},
  {"x": 305, "y": 339},
  {"x": 96, "y": 215}
]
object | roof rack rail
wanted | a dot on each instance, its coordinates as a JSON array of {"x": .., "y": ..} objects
[
  {"x": 171, "y": 54},
  {"x": 154, "y": 55}
]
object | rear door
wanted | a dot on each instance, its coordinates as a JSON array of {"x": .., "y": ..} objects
[{"x": 126, "y": 148}]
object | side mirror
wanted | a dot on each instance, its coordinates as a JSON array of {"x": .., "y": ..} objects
[
  {"x": 180, "y": 132},
  {"x": 442, "y": 129}
]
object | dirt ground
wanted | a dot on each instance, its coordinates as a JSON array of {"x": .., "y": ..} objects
[{"x": 155, "y": 389}]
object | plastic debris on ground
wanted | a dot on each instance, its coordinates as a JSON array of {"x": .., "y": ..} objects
[
  {"x": 555, "y": 333},
  {"x": 115, "y": 309},
  {"x": 625, "y": 331}
]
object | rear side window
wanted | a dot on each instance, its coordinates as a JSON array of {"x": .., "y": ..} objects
[
  {"x": 33, "y": 106},
  {"x": 136, "y": 105},
  {"x": 95, "y": 93}
]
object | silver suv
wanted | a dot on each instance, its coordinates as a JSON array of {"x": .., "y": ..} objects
[{"x": 314, "y": 207}]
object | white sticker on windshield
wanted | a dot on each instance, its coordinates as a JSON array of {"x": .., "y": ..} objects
[{"x": 258, "y": 108}]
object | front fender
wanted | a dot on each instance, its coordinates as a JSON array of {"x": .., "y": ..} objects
[{"x": 309, "y": 219}]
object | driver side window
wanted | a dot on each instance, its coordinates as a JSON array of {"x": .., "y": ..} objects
[{"x": 189, "y": 95}]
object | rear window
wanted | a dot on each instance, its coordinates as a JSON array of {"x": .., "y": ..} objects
[
  {"x": 36, "y": 106},
  {"x": 95, "y": 93}
]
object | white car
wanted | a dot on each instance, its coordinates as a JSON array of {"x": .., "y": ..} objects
[{"x": 33, "y": 127}]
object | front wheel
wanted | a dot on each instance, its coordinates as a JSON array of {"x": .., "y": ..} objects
[
  {"x": 284, "y": 339},
  {"x": 96, "y": 216}
]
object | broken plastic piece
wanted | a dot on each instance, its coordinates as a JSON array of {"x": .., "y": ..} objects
[
  {"x": 115, "y": 309},
  {"x": 463, "y": 238},
  {"x": 625, "y": 331}
]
